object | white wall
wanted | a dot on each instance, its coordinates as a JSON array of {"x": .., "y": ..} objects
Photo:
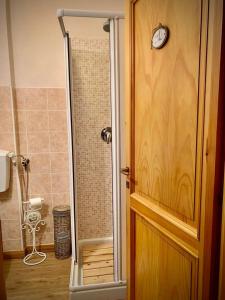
[
  {"x": 4, "y": 59},
  {"x": 37, "y": 41}
]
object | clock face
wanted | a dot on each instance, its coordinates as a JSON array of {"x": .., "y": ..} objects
[{"x": 160, "y": 37}]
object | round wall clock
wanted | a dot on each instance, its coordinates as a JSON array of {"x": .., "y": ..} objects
[{"x": 160, "y": 36}]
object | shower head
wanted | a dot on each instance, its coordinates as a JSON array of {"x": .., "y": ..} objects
[{"x": 106, "y": 26}]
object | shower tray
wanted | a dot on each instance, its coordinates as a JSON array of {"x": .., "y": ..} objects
[{"x": 86, "y": 284}]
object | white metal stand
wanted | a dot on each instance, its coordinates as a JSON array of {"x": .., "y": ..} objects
[{"x": 33, "y": 221}]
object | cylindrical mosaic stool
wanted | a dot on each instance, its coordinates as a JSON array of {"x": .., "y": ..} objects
[{"x": 62, "y": 231}]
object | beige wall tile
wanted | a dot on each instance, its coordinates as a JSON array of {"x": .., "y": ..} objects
[
  {"x": 37, "y": 120},
  {"x": 35, "y": 98},
  {"x": 40, "y": 184},
  {"x": 49, "y": 222},
  {"x": 57, "y": 120},
  {"x": 12, "y": 245},
  {"x": 58, "y": 141},
  {"x": 47, "y": 238},
  {"x": 60, "y": 182},
  {"x": 5, "y": 101},
  {"x": 20, "y": 94},
  {"x": 33, "y": 137},
  {"x": 60, "y": 199},
  {"x": 21, "y": 122},
  {"x": 59, "y": 162},
  {"x": 56, "y": 99},
  {"x": 31, "y": 98},
  {"x": 10, "y": 229},
  {"x": 9, "y": 208},
  {"x": 39, "y": 163},
  {"x": 38, "y": 142},
  {"x": 22, "y": 143},
  {"x": 6, "y": 141},
  {"x": 6, "y": 124}
]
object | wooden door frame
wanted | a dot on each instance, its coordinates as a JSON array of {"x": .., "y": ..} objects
[
  {"x": 222, "y": 241},
  {"x": 222, "y": 252},
  {"x": 2, "y": 280},
  {"x": 212, "y": 193},
  {"x": 212, "y": 175}
]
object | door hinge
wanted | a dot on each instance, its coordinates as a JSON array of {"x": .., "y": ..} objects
[
  {"x": 127, "y": 184},
  {"x": 125, "y": 171}
]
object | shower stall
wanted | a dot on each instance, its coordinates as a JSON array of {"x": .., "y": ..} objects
[{"x": 95, "y": 132}]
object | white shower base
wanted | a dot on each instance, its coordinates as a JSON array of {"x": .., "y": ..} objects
[{"x": 101, "y": 293}]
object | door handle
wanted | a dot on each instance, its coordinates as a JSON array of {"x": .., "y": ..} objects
[{"x": 125, "y": 171}]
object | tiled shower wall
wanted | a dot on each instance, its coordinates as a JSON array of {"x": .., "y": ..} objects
[
  {"x": 92, "y": 112},
  {"x": 41, "y": 129}
]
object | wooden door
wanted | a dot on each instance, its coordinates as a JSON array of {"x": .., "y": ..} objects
[{"x": 172, "y": 121}]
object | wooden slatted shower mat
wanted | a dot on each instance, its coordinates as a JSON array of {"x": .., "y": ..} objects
[{"x": 97, "y": 263}]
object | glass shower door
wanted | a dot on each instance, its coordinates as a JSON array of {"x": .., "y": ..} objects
[
  {"x": 71, "y": 146},
  {"x": 94, "y": 145}
]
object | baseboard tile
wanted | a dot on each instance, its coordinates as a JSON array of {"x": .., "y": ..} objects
[
  {"x": 13, "y": 254},
  {"x": 44, "y": 248},
  {"x": 21, "y": 254}
]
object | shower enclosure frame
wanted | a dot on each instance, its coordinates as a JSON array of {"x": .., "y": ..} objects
[{"x": 114, "y": 18}]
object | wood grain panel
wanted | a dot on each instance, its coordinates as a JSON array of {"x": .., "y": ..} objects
[
  {"x": 174, "y": 135},
  {"x": 163, "y": 271},
  {"x": 49, "y": 280},
  {"x": 97, "y": 263},
  {"x": 98, "y": 279},
  {"x": 166, "y": 96}
]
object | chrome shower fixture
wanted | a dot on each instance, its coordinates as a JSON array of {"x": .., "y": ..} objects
[
  {"x": 24, "y": 161},
  {"x": 106, "y": 134},
  {"x": 106, "y": 26}
]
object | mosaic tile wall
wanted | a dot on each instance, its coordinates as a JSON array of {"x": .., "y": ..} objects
[
  {"x": 41, "y": 129},
  {"x": 91, "y": 75}
]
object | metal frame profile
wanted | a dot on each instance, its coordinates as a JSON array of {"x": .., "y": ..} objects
[{"x": 115, "y": 108}]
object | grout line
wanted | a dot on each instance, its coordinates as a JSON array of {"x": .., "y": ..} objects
[
  {"x": 39, "y": 87},
  {"x": 37, "y": 131},
  {"x": 46, "y": 173},
  {"x": 40, "y": 153},
  {"x": 49, "y": 144},
  {"x": 11, "y": 240},
  {"x": 38, "y": 110},
  {"x": 26, "y": 131}
]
